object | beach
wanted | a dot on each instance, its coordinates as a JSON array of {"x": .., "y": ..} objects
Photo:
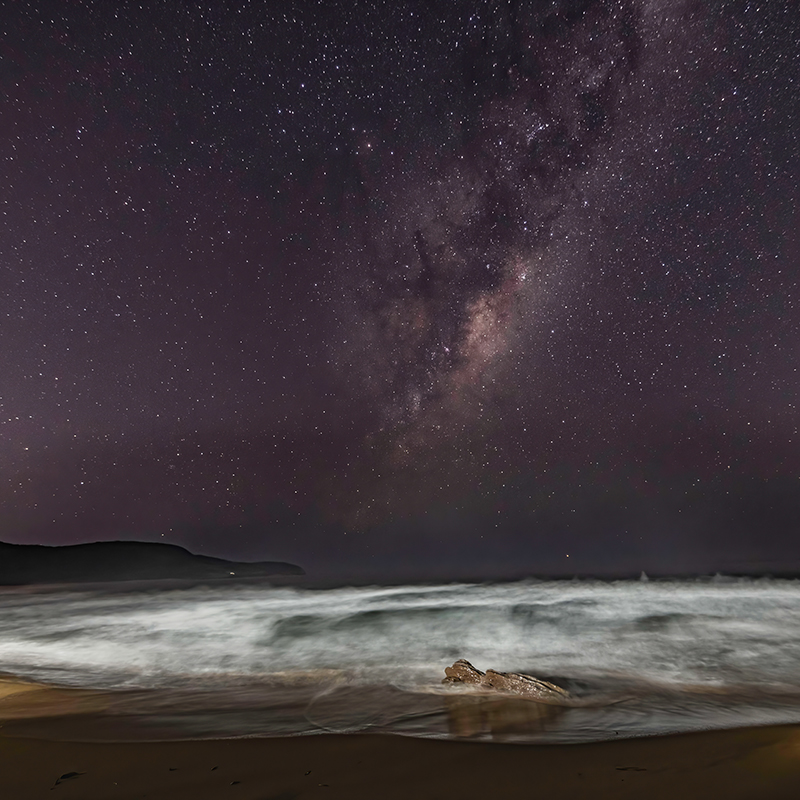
[
  {"x": 679, "y": 691},
  {"x": 746, "y": 763},
  {"x": 757, "y": 764}
]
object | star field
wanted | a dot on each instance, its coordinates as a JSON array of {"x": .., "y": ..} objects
[{"x": 403, "y": 288}]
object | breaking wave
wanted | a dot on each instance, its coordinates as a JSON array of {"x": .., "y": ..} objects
[{"x": 245, "y": 659}]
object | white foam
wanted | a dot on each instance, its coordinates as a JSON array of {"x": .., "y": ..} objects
[{"x": 708, "y": 633}]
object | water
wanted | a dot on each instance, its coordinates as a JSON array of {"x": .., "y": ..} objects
[{"x": 638, "y": 658}]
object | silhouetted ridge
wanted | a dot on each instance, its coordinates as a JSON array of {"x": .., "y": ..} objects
[{"x": 122, "y": 561}]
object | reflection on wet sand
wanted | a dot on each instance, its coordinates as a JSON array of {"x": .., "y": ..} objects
[
  {"x": 21, "y": 700},
  {"x": 499, "y": 717}
]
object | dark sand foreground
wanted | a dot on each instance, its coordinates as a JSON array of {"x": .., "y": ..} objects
[{"x": 753, "y": 763}]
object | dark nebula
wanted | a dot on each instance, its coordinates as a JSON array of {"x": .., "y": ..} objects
[{"x": 404, "y": 290}]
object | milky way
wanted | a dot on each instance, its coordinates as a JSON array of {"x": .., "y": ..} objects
[
  {"x": 455, "y": 255},
  {"x": 463, "y": 238}
]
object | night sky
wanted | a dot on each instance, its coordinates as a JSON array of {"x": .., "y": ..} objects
[{"x": 404, "y": 289}]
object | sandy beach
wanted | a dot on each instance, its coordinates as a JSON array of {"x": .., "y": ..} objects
[
  {"x": 755, "y": 763},
  {"x": 44, "y": 753}
]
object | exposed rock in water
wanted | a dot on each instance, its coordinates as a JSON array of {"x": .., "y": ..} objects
[{"x": 507, "y": 682}]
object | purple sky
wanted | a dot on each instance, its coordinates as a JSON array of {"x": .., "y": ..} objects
[{"x": 403, "y": 289}]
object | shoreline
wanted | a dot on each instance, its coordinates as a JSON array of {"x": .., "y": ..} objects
[
  {"x": 740, "y": 764},
  {"x": 746, "y": 763}
]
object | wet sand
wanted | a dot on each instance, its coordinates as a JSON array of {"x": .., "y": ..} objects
[{"x": 752, "y": 763}]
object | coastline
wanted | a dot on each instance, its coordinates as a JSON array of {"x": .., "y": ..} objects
[{"x": 741, "y": 764}]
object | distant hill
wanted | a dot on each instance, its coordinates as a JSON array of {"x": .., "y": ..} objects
[{"x": 122, "y": 561}]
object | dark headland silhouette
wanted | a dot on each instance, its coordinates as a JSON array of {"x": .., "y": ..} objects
[{"x": 98, "y": 562}]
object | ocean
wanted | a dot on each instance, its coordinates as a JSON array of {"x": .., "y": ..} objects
[{"x": 638, "y": 658}]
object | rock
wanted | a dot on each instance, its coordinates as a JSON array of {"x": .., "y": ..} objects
[{"x": 507, "y": 682}]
